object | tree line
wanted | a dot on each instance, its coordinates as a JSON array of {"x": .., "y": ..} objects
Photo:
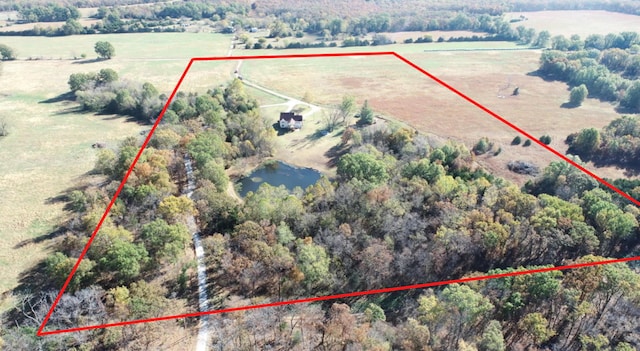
[{"x": 608, "y": 66}]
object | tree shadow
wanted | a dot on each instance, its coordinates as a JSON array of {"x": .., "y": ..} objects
[
  {"x": 34, "y": 279},
  {"x": 68, "y": 96},
  {"x": 317, "y": 135},
  {"x": 546, "y": 78},
  {"x": 626, "y": 110},
  {"x": 335, "y": 152},
  {"x": 49, "y": 236},
  {"x": 86, "y": 61},
  {"x": 69, "y": 111},
  {"x": 569, "y": 105}
]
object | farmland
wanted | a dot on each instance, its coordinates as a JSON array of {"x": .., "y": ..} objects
[
  {"x": 397, "y": 91},
  {"x": 573, "y": 22},
  {"x": 395, "y": 213}
]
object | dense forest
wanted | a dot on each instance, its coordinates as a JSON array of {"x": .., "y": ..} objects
[{"x": 401, "y": 211}]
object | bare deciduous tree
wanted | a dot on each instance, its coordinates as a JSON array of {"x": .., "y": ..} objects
[
  {"x": 4, "y": 128},
  {"x": 332, "y": 119}
]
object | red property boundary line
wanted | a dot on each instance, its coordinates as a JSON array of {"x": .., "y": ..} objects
[{"x": 41, "y": 331}]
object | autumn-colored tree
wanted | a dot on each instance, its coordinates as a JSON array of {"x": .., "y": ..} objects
[{"x": 174, "y": 209}]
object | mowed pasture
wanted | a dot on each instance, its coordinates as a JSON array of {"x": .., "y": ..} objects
[
  {"x": 49, "y": 148},
  {"x": 398, "y": 91},
  {"x": 583, "y": 22}
]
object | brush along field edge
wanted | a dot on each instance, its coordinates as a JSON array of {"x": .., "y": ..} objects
[{"x": 41, "y": 331}]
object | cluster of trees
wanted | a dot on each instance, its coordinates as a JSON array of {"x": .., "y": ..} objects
[
  {"x": 299, "y": 45},
  {"x": 285, "y": 25},
  {"x": 423, "y": 39},
  {"x": 47, "y": 13},
  {"x": 561, "y": 310},
  {"x": 616, "y": 144},
  {"x": 193, "y": 10},
  {"x": 605, "y": 67},
  {"x": 9, "y": 5},
  {"x": 105, "y": 92}
]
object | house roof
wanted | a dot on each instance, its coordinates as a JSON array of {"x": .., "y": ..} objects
[{"x": 288, "y": 116}]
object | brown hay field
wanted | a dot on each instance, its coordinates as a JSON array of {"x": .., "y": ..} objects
[
  {"x": 397, "y": 91},
  {"x": 581, "y": 22}
]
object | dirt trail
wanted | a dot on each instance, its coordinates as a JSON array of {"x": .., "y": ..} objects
[{"x": 203, "y": 301}]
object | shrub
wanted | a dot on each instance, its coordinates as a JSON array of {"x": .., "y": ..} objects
[
  {"x": 516, "y": 141},
  {"x": 527, "y": 142},
  {"x": 482, "y": 146},
  {"x": 578, "y": 94},
  {"x": 4, "y": 128},
  {"x": 545, "y": 139}
]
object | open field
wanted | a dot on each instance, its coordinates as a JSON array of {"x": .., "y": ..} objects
[
  {"x": 48, "y": 151},
  {"x": 49, "y": 148},
  {"x": 158, "y": 58},
  {"x": 582, "y": 23},
  {"x": 398, "y": 91}
]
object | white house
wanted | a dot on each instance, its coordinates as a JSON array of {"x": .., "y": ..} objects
[{"x": 290, "y": 120}]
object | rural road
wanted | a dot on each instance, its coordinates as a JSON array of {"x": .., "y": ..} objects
[{"x": 203, "y": 301}]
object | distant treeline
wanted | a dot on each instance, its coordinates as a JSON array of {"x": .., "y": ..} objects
[
  {"x": 48, "y": 13},
  {"x": 623, "y": 6},
  {"x": 12, "y": 5}
]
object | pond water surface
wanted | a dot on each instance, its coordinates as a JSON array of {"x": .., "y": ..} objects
[{"x": 276, "y": 174}]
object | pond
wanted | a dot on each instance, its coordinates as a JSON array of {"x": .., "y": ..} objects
[{"x": 276, "y": 174}]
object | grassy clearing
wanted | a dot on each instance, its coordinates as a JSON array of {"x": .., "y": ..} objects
[
  {"x": 128, "y": 46},
  {"x": 159, "y": 58},
  {"x": 307, "y": 147},
  {"x": 573, "y": 22}
]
